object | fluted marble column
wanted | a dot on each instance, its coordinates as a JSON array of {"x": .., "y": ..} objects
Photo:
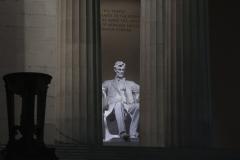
[
  {"x": 194, "y": 115},
  {"x": 94, "y": 84},
  {"x": 175, "y": 91},
  {"x": 71, "y": 109},
  {"x": 157, "y": 72}
]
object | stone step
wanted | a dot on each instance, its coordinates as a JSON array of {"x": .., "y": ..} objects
[
  {"x": 82, "y": 152},
  {"x": 68, "y": 151}
]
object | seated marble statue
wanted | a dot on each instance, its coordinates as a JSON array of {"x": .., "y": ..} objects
[{"x": 121, "y": 97}]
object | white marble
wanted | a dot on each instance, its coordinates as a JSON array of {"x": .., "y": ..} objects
[{"x": 121, "y": 96}]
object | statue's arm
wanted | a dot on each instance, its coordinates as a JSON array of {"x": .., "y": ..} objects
[
  {"x": 136, "y": 92},
  {"x": 104, "y": 89},
  {"x": 104, "y": 96}
]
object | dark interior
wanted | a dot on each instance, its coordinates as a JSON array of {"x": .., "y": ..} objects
[{"x": 224, "y": 59}]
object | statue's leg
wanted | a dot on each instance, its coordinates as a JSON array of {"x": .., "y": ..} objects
[
  {"x": 134, "y": 113},
  {"x": 119, "y": 114},
  {"x": 107, "y": 135}
]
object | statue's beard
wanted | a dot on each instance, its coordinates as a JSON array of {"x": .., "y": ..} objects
[{"x": 120, "y": 75}]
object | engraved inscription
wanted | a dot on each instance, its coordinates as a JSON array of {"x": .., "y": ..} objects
[{"x": 119, "y": 20}]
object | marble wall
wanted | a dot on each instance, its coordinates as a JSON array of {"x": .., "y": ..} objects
[{"x": 28, "y": 33}]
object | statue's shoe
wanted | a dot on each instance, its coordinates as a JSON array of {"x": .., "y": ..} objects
[
  {"x": 108, "y": 137},
  {"x": 125, "y": 136}
]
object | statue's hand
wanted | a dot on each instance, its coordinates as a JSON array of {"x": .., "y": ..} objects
[
  {"x": 136, "y": 98},
  {"x": 105, "y": 107}
]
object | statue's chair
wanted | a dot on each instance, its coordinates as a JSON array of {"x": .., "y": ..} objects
[{"x": 28, "y": 86}]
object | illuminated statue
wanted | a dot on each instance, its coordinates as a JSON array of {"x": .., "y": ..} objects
[{"x": 121, "y": 97}]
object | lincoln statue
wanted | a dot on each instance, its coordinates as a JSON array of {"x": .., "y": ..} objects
[{"x": 121, "y": 97}]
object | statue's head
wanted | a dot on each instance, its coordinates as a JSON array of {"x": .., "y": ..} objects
[{"x": 119, "y": 69}]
